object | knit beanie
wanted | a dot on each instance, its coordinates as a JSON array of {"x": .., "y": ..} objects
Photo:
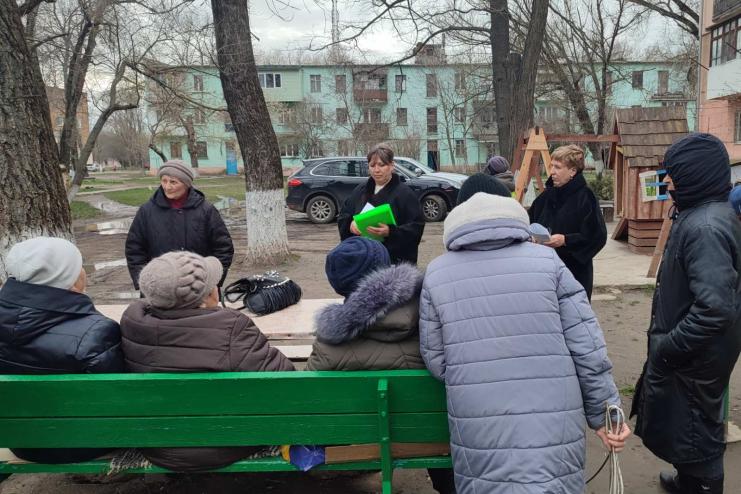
[
  {"x": 481, "y": 182},
  {"x": 497, "y": 165},
  {"x": 177, "y": 169},
  {"x": 179, "y": 279},
  {"x": 735, "y": 198},
  {"x": 47, "y": 261},
  {"x": 351, "y": 260},
  {"x": 482, "y": 207}
]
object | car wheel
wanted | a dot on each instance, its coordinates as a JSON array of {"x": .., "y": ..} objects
[
  {"x": 434, "y": 208},
  {"x": 321, "y": 209}
]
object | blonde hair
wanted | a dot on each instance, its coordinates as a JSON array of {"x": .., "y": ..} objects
[{"x": 572, "y": 156}]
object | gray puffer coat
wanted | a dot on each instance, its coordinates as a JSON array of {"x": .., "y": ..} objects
[{"x": 509, "y": 330}]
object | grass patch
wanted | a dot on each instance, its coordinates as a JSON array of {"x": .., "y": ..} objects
[
  {"x": 84, "y": 211},
  {"x": 131, "y": 197},
  {"x": 628, "y": 390}
]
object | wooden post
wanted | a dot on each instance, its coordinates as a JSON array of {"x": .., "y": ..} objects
[
  {"x": 536, "y": 143},
  {"x": 666, "y": 227}
]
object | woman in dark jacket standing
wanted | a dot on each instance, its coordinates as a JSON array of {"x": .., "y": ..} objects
[
  {"x": 694, "y": 337},
  {"x": 180, "y": 327},
  {"x": 177, "y": 217},
  {"x": 385, "y": 187},
  {"x": 571, "y": 211}
]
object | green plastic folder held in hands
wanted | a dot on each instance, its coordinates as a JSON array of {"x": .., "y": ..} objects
[{"x": 374, "y": 217}]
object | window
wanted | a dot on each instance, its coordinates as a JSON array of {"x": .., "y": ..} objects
[
  {"x": 460, "y": 148},
  {"x": 340, "y": 84},
  {"x": 269, "y": 80},
  {"x": 202, "y": 150},
  {"x": 548, "y": 113},
  {"x": 315, "y": 82},
  {"x": 725, "y": 42},
  {"x": 608, "y": 81},
  {"x": 737, "y": 134},
  {"x": 432, "y": 120},
  {"x": 176, "y": 150},
  {"x": 460, "y": 81},
  {"x": 401, "y": 117},
  {"x": 637, "y": 79},
  {"x": 197, "y": 83},
  {"x": 400, "y": 83},
  {"x": 342, "y": 115},
  {"x": 674, "y": 103},
  {"x": 289, "y": 150},
  {"x": 59, "y": 121},
  {"x": 431, "y": 85},
  {"x": 372, "y": 115},
  {"x": 199, "y": 117},
  {"x": 663, "y": 82},
  {"x": 287, "y": 116},
  {"x": 459, "y": 113},
  {"x": 315, "y": 114},
  {"x": 315, "y": 150},
  {"x": 340, "y": 168},
  {"x": 344, "y": 148},
  {"x": 487, "y": 116}
]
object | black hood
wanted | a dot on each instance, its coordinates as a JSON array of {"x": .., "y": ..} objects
[
  {"x": 40, "y": 308},
  {"x": 195, "y": 198},
  {"x": 698, "y": 165}
]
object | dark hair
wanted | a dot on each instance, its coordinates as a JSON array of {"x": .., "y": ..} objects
[{"x": 383, "y": 151}]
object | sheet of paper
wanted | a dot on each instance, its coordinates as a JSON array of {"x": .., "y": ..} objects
[{"x": 368, "y": 206}]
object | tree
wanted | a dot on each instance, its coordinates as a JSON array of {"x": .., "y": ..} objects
[
  {"x": 33, "y": 202},
  {"x": 267, "y": 240},
  {"x": 683, "y": 13}
]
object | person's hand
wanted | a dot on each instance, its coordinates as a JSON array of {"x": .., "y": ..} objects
[
  {"x": 557, "y": 240},
  {"x": 354, "y": 228},
  {"x": 615, "y": 442},
  {"x": 381, "y": 230}
]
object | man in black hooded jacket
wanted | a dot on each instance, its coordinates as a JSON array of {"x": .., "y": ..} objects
[{"x": 694, "y": 336}]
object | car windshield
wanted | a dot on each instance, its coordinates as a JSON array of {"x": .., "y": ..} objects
[{"x": 411, "y": 164}]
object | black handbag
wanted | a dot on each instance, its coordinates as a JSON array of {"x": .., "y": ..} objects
[{"x": 263, "y": 293}]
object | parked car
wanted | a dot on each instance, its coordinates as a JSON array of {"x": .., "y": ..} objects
[
  {"x": 94, "y": 167},
  {"x": 321, "y": 187},
  {"x": 419, "y": 169}
]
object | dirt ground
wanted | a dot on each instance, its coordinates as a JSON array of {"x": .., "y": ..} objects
[{"x": 623, "y": 314}]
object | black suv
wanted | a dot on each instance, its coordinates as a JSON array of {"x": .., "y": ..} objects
[{"x": 321, "y": 187}]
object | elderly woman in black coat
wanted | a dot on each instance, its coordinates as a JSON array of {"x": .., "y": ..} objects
[
  {"x": 385, "y": 187},
  {"x": 571, "y": 211},
  {"x": 177, "y": 217}
]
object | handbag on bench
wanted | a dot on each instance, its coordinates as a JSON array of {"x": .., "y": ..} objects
[{"x": 263, "y": 294}]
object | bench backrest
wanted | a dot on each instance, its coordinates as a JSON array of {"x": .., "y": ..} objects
[{"x": 221, "y": 409}]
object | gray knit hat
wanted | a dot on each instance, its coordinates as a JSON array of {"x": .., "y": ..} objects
[
  {"x": 179, "y": 279},
  {"x": 178, "y": 169},
  {"x": 47, "y": 261}
]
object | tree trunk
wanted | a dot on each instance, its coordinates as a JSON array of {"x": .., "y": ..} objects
[
  {"x": 158, "y": 151},
  {"x": 267, "y": 240},
  {"x": 32, "y": 201},
  {"x": 514, "y": 74},
  {"x": 191, "y": 137}
]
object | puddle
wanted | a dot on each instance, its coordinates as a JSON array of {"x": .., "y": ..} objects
[
  {"x": 226, "y": 203},
  {"x": 112, "y": 207},
  {"x": 109, "y": 264},
  {"x": 110, "y": 227},
  {"x": 122, "y": 295}
]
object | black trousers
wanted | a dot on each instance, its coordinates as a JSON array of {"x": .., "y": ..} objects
[
  {"x": 705, "y": 477},
  {"x": 443, "y": 480},
  {"x": 584, "y": 274}
]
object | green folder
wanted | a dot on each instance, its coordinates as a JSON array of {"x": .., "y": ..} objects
[{"x": 374, "y": 217}]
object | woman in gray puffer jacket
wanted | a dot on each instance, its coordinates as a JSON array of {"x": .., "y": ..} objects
[{"x": 509, "y": 330}]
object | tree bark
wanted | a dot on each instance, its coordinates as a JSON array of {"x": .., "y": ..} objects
[
  {"x": 267, "y": 240},
  {"x": 514, "y": 74},
  {"x": 32, "y": 201},
  {"x": 190, "y": 143}
]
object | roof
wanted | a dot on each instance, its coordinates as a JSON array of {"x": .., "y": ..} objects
[{"x": 646, "y": 133}]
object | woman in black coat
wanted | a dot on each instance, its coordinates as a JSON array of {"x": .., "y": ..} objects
[
  {"x": 384, "y": 187},
  {"x": 177, "y": 217},
  {"x": 571, "y": 211}
]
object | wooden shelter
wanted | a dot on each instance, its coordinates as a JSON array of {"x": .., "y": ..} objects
[{"x": 644, "y": 136}]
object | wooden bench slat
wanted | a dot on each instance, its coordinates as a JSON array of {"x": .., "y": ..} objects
[
  {"x": 215, "y": 394},
  {"x": 252, "y": 430},
  {"x": 261, "y": 465}
]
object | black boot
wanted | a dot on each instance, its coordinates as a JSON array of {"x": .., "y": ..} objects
[
  {"x": 694, "y": 485},
  {"x": 670, "y": 482}
]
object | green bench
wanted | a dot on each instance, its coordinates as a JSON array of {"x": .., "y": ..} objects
[{"x": 224, "y": 409}]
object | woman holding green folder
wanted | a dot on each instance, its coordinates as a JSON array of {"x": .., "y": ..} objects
[{"x": 385, "y": 187}]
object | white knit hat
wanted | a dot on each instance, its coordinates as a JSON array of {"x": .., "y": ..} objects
[
  {"x": 482, "y": 206},
  {"x": 47, "y": 261}
]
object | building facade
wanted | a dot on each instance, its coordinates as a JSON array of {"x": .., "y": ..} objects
[
  {"x": 438, "y": 113},
  {"x": 57, "y": 103},
  {"x": 720, "y": 73}
]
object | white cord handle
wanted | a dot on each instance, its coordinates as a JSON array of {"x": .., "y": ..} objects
[{"x": 616, "y": 475}]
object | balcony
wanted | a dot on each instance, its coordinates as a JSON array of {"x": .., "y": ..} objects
[
  {"x": 724, "y": 81},
  {"x": 373, "y": 131},
  {"x": 725, "y": 9},
  {"x": 485, "y": 130},
  {"x": 362, "y": 95}
]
